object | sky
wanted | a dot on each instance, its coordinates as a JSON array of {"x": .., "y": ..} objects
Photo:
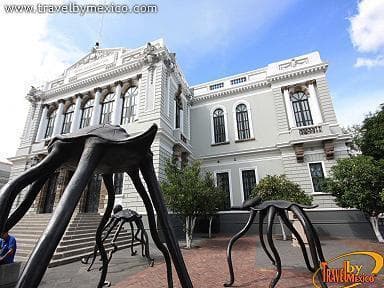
[{"x": 211, "y": 39}]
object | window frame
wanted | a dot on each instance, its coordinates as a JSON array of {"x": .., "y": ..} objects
[
  {"x": 213, "y": 109},
  {"x": 86, "y": 109},
  {"x": 250, "y": 123},
  {"x": 230, "y": 184},
  {"x": 241, "y": 169},
  {"x": 301, "y": 112},
  {"x": 310, "y": 175},
  {"x": 68, "y": 115},
  {"x": 110, "y": 106},
  {"x": 53, "y": 111},
  {"x": 128, "y": 109}
]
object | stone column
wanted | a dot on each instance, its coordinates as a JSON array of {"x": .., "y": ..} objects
[
  {"x": 77, "y": 113},
  {"x": 288, "y": 107},
  {"x": 43, "y": 124},
  {"x": 97, "y": 108},
  {"x": 314, "y": 104},
  {"x": 59, "y": 119},
  {"x": 116, "y": 118}
]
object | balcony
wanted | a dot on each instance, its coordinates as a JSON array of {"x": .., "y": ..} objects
[{"x": 312, "y": 133}]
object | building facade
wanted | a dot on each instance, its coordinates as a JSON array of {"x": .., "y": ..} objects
[{"x": 275, "y": 120}]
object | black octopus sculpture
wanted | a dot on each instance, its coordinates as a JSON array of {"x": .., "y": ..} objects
[
  {"x": 269, "y": 209},
  {"x": 103, "y": 149},
  {"x": 120, "y": 217}
]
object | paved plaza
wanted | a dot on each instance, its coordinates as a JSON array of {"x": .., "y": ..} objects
[{"x": 208, "y": 268}]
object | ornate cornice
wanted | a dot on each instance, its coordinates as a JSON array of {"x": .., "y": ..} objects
[
  {"x": 93, "y": 79},
  {"x": 231, "y": 91},
  {"x": 292, "y": 74}
]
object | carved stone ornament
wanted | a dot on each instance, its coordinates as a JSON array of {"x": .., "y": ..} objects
[
  {"x": 329, "y": 149},
  {"x": 299, "y": 151}
]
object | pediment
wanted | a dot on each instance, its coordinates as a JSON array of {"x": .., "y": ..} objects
[{"x": 93, "y": 60}]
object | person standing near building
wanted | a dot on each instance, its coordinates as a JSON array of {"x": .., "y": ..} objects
[{"x": 7, "y": 248}]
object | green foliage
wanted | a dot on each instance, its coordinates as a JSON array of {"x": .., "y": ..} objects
[
  {"x": 278, "y": 187},
  {"x": 189, "y": 193},
  {"x": 358, "y": 182},
  {"x": 371, "y": 141}
]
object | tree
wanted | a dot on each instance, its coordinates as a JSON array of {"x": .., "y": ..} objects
[
  {"x": 358, "y": 182},
  {"x": 189, "y": 194},
  {"x": 371, "y": 141},
  {"x": 279, "y": 187}
]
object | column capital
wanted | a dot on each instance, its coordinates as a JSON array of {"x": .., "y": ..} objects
[
  {"x": 138, "y": 76},
  {"x": 98, "y": 89},
  {"x": 119, "y": 83},
  {"x": 45, "y": 106},
  {"x": 313, "y": 82},
  {"x": 61, "y": 101},
  {"x": 78, "y": 95}
]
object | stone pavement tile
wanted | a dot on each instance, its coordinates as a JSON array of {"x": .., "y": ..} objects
[{"x": 207, "y": 266}]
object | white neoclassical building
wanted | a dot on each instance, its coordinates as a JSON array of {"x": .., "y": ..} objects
[{"x": 277, "y": 119}]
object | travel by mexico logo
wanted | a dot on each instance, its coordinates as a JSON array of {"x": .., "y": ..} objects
[{"x": 350, "y": 272}]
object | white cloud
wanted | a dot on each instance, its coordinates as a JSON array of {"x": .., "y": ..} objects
[
  {"x": 29, "y": 53},
  {"x": 367, "y": 30},
  {"x": 353, "y": 110},
  {"x": 367, "y": 26},
  {"x": 370, "y": 62}
]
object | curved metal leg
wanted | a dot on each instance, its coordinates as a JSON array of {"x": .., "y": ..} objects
[
  {"x": 94, "y": 253},
  {"x": 270, "y": 219},
  {"x": 310, "y": 233},
  {"x": 10, "y": 190},
  {"x": 26, "y": 203},
  {"x": 114, "y": 240},
  {"x": 262, "y": 216},
  {"x": 145, "y": 243},
  {"x": 133, "y": 252},
  {"x": 108, "y": 181},
  {"x": 232, "y": 242},
  {"x": 156, "y": 195},
  {"x": 42, "y": 254},
  {"x": 134, "y": 174},
  {"x": 288, "y": 223}
]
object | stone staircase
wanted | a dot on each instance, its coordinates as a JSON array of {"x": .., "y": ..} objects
[{"x": 78, "y": 240}]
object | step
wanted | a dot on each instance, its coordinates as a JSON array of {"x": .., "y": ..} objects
[
  {"x": 63, "y": 247},
  {"x": 85, "y": 250},
  {"x": 82, "y": 239},
  {"x": 67, "y": 260}
]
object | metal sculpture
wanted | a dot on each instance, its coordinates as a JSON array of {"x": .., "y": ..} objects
[
  {"x": 269, "y": 209},
  {"x": 103, "y": 149},
  {"x": 120, "y": 217}
]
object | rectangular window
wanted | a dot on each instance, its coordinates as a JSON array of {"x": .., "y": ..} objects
[
  {"x": 317, "y": 175},
  {"x": 118, "y": 180},
  {"x": 249, "y": 182},
  {"x": 222, "y": 179}
]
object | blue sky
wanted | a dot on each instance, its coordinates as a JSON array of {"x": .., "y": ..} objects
[{"x": 213, "y": 39}]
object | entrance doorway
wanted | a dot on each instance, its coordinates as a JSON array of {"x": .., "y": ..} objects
[
  {"x": 49, "y": 193},
  {"x": 92, "y": 195}
]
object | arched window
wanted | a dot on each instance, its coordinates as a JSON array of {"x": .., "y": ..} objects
[
  {"x": 86, "y": 113},
  {"x": 107, "y": 109},
  {"x": 130, "y": 104},
  {"x": 68, "y": 117},
  {"x": 242, "y": 121},
  {"x": 219, "y": 125},
  {"x": 301, "y": 109},
  {"x": 51, "y": 122}
]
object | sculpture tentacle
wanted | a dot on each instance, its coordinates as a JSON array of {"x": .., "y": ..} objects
[
  {"x": 299, "y": 239},
  {"x": 42, "y": 254},
  {"x": 108, "y": 181},
  {"x": 26, "y": 203},
  {"x": 156, "y": 195},
  {"x": 134, "y": 174},
  {"x": 262, "y": 216},
  {"x": 270, "y": 219},
  {"x": 232, "y": 242}
]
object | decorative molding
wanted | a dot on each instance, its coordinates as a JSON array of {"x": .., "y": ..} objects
[
  {"x": 329, "y": 149},
  {"x": 299, "y": 152}
]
